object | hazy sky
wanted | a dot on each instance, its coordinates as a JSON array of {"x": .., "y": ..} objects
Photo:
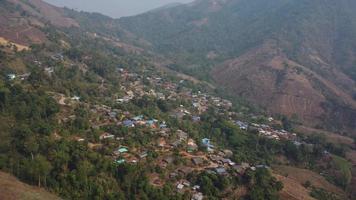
[{"x": 115, "y": 8}]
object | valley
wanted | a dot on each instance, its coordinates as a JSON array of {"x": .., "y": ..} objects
[{"x": 175, "y": 104}]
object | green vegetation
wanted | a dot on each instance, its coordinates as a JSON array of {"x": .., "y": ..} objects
[
  {"x": 82, "y": 98},
  {"x": 321, "y": 194},
  {"x": 344, "y": 167}
]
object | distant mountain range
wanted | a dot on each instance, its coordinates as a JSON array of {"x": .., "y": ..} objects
[{"x": 296, "y": 58}]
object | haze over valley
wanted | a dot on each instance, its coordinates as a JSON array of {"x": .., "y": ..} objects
[{"x": 184, "y": 100}]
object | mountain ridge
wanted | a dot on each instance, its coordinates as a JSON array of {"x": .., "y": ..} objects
[{"x": 317, "y": 36}]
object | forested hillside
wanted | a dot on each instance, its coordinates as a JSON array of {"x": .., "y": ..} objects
[
  {"x": 90, "y": 111},
  {"x": 249, "y": 46}
]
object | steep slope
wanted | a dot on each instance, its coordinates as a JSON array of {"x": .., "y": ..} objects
[
  {"x": 295, "y": 58},
  {"x": 23, "y": 22},
  {"x": 12, "y": 189}
]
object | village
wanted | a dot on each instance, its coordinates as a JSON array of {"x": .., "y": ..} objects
[{"x": 173, "y": 150}]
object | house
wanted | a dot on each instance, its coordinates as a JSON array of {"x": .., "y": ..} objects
[
  {"x": 138, "y": 118},
  {"x": 168, "y": 160},
  {"x": 176, "y": 143},
  {"x": 245, "y": 165},
  {"x": 49, "y": 70},
  {"x": 128, "y": 123},
  {"x": 262, "y": 166},
  {"x": 206, "y": 143},
  {"x": 143, "y": 154},
  {"x": 221, "y": 171},
  {"x": 173, "y": 175},
  {"x": 186, "y": 183},
  {"x": 161, "y": 142},
  {"x": 106, "y": 136},
  {"x": 228, "y": 162},
  {"x": 196, "y": 187},
  {"x": 197, "y": 196},
  {"x": 75, "y": 98},
  {"x": 180, "y": 186},
  {"x": 163, "y": 125},
  {"x": 183, "y": 136},
  {"x": 191, "y": 145},
  {"x": 242, "y": 125},
  {"x": 161, "y": 96},
  {"x": 79, "y": 139},
  {"x": 151, "y": 123},
  {"x": 112, "y": 114},
  {"x": 184, "y": 170},
  {"x": 197, "y": 160},
  {"x": 120, "y": 161},
  {"x": 239, "y": 169},
  {"x": 121, "y": 150},
  {"x": 196, "y": 118}
]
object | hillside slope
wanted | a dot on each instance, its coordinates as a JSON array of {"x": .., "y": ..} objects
[
  {"x": 13, "y": 189},
  {"x": 295, "y": 58},
  {"x": 23, "y": 22}
]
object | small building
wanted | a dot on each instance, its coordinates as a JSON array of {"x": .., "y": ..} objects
[
  {"x": 168, "y": 160},
  {"x": 183, "y": 136},
  {"x": 191, "y": 145},
  {"x": 206, "y": 143},
  {"x": 184, "y": 170},
  {"x": 11, "y": 76},
  {"x": 120, "y": 161},
  {"x": 197, "y": 196},
  {"x": 143, "y": 154},
  {"x": 75, "y": 98},
  {"x": 180, "y": 186},
  {"x": 106, "y": 136},
  {"x": 121, "y": 150},
  {"x": 221, "y": 171},
  {"x": 161, "y": 142},
  {"x": 242, "y": 125},
  {"x": 138, "y": 118},
  {"x": 112, "y": 114},
  {"x": 239, "y": 169},
  {"x": 128, "y": 123},
  {"x": 197, "y": 160},
  {"x": 196, "y": 118}
]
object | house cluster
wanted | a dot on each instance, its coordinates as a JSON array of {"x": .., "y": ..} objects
[
  {"x": 269, "y": 132},
  {"x": 199, "y": 154},
  {"x": 12, "y": 76}
]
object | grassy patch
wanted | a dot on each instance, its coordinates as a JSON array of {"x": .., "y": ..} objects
[{"x": 344, "y": 166}]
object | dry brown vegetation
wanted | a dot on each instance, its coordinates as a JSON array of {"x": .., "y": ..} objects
[
  {"x": 293, "y": 175},
  {"x": 292, "y": 189},
  {"x": 13, "y": 189}
]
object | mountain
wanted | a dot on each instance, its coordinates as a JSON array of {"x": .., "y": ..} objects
[
  {"x": 295, "y": 58},
  {"x": 88, "y": 110},
  {"x": 167, "y": 6},
  {"x": 22, "y": 22}
]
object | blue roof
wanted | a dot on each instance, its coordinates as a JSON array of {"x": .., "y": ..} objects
[
  {"x": 128, "y": 123},
  {"x": 205, "y": 141}
]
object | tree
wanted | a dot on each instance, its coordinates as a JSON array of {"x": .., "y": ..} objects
[
  {"x": 42, "y": 168},
  {"x": 31, "y": 145}
]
